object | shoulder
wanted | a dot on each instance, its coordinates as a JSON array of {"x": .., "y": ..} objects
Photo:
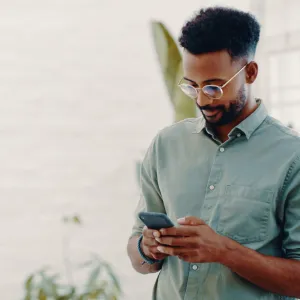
[
  {"x": 285, "y": 135},
  {"x": 179, "y": 133},
  {"x": 182, "y": 128},
  {"x": 285, "y": 141}
]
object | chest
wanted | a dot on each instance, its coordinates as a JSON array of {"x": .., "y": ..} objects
[{"x": 234, "y": 191}]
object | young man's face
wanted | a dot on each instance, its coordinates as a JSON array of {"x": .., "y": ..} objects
[{"x": 217, "y": 68}]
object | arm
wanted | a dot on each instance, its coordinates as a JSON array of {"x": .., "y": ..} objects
[
  {"x": 150, "y": 200},
  {"x": 278, "y": 275}
]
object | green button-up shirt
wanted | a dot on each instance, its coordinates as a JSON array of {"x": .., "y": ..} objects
[{"x": 247, "y": 188}]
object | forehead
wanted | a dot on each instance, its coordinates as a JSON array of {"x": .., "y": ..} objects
[{"x": 206, "y": 66}]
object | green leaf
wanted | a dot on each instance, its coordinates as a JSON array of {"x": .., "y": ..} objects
[
  {"x": 65, "y": 297},
  {"x": 86, "y": 264},
  {"x": 69, "y": 296},
  {"x": 66, "y": 219},
  {"x": 113, "y": 277},
  {"x": 76, "y": 220},
  {"x": 93, "y": 277},
  {"x": 27, "y": 296},
  {"x": 96, "y": 293},
  {"x": 48, "y": 284},
  {"x": 28, "y": 282},
  {"x": 168, "y": 54},
  {"x": 185, "y": 107},
  {"x": 44, "y": 269},
  {"x": 42, "y": 295},
  {"x": 171, "y": 66}
]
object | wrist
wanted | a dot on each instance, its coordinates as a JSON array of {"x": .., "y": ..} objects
[
  {"x": 146, "y": 257},
  {"x": 228, "y": 247}
]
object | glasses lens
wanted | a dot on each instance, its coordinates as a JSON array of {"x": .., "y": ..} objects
[
  {"x": 212, "y": 91},
  {"x": 189, "y": 90}
]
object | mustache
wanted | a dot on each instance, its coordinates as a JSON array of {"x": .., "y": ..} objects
[{"x": 210, "y": 108}]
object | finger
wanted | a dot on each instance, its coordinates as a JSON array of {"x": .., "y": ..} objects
[
  {"x": 154, "y": 250},
  {"x": 184, "y": 230},
  {"x": 150, "y": 242},
  {"x": 160, "y": 256},
  {"x": 187, "y": 242},
  {"x": 190, "y": 220},
  {"x": 150, "y": 233},
  {"x": 156, "y": 254},
  {"x": 175, "y": 251}
]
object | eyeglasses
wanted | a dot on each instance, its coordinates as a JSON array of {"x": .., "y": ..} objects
[{"x": 211, "y": 91}]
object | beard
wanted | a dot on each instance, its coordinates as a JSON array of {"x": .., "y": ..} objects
[{"x": 229, "y": 114}]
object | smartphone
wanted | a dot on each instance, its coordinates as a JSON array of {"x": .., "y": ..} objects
[{"x": 154, "y": 220}]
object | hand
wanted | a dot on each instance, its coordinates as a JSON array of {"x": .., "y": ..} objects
[
  {"x": 149, "y": 244},
  {"x": 193, "y": 241}
]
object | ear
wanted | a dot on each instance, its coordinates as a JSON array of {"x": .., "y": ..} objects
[{"x": 251, "y": 72}]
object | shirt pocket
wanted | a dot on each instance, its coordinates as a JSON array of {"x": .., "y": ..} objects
[{"x": 244, "y": 213}]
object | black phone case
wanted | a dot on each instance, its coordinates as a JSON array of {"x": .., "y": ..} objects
[{"x": 155, "y": 220}]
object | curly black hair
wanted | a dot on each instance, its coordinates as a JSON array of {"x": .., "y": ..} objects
[{"x": 219, "y": 28}]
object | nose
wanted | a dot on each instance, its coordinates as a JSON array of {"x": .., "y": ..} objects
[{"x": 203, "y": 100}]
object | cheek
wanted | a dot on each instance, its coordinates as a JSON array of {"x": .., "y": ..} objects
[
  {"x": 232, "y": 91},
  {"x": 233, "y": 95}
]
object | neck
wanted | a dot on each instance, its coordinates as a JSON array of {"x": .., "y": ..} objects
[{"x": 223, "y": 131}]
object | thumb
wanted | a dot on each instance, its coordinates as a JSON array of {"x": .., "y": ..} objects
[{"x": 190, "y": 220}]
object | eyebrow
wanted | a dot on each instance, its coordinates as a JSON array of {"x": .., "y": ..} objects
[{"x": 206, "y": 81}]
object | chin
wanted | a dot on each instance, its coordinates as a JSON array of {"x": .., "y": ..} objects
[{"x": 214, "y": 121}]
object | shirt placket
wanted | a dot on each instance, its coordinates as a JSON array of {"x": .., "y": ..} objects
[{"x": 198, "y": 272}]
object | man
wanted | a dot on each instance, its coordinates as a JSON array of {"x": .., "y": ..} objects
[{"x": 231, "y": 182}]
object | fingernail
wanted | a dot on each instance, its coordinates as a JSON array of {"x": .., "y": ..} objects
[
  {"x": 156, "y": 234},
  {"x": 160, "y": 249}
]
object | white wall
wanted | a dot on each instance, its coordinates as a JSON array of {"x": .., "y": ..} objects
[{"x": 81, "y": 97}]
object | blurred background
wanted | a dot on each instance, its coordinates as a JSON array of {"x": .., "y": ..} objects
[{"x": 81, "y": 97}]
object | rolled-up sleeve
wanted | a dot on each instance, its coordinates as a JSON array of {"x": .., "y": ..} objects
[
  {"x": 291, "y": 195},
  {"x": 150, "y": 196}
]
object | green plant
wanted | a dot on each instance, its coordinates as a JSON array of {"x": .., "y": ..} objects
[
  {"x": 101, "y": 281},
  {"x": 170, "y": 60}
]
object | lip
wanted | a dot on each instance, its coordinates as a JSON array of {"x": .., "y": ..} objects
[{"x": 211, "y": 113}]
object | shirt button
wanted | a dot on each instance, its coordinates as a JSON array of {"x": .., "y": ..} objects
[
  {"x": 212, "y": 187},
  {"x": 238, "y": 135},
  {"x": 195, "y": 267},
  {"x": 222, "y": 149}
]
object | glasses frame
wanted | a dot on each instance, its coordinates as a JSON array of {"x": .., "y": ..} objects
[{"x": 210, "y": 85}]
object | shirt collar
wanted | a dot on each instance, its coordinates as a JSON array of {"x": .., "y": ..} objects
[{"x": 247, "y": 126}]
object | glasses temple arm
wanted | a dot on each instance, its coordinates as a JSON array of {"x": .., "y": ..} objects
[{"x": 234, "y": 76}]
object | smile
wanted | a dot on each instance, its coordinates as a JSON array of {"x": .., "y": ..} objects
[{"x": 211, "y": 114}]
